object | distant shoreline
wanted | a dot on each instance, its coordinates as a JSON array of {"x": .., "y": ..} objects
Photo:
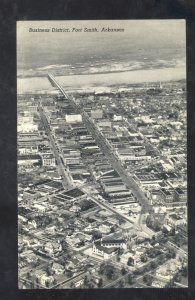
[{"x": 95, "y": 73}]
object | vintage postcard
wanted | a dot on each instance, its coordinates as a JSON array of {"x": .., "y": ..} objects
[{"x": 102, "y": 154}]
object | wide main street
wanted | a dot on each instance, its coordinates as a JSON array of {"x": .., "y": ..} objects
[
  {"x": 66, "y": 180},
  {"x": 108, "y": 151}
]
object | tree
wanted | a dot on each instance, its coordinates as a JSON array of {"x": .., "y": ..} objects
[
  {"x": 112, "y": 230},
  {"x": 72, "y": 285},
  {"x": 81, "y": 243},
  {"x": 90, "y": 284},
  {"x": 123, "y": 271},
  {"x": 120, "y": 251},
  {"x": 69, "y": 273},
  {"x": 47, "y": 283},
  {"x": 144, "y": 258},
  {"x": 170, "y": 284},
  {"x": 178, "y": 277},
  {"x": 130, "y": 279},
  {"x": 170, "y": 253},
  {"x": 164, "y": 230},
  {"x": 100, "y": 283},
  {"x": 153, "y": 264},
  {"x": 148, "y": 279},
  {"x": 172, "y": 232},
  {"x": 121, "y": 283},
  {"x": 97, "y": 235},
  {"x": 85, "y": 280},
  {"x": 102, "y": 268},
  {"x": 49, "y": 271},
  {"x": 110, "y": 271},
  {"x": 130, "y": 261},
  {"x": 118, "y": 258},
  {"x": 184, "y": 271}
]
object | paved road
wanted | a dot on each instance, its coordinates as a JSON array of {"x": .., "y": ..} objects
[
  {"x": 108, "y": 207},
  {"x": 66, "y": 179}
]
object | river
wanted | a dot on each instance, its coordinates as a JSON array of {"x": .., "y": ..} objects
[{"x": 93, "y": 81}]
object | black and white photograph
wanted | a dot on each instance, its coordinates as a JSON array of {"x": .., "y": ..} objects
[{"x": 102, "y": 154}]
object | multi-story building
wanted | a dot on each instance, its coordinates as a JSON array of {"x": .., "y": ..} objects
[{"x": 48, "y": 160}]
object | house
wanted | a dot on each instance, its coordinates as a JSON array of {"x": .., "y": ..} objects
[
  {"x": 52, "y": 248},
  {"x": 57, "y": 268},
  {"x": 168, "y": 270},
  {"x": 174, "y": 220},
  {"x": 30, "y": 195},
  {"x": 39, "y": 207},
  {"x": 72, "y": 240},
  {"x": 104, "y": 229},
  {"x": 79, "y": 283},
  {"x": 158, "y": 284},
  {"x": 125, "y": 257},
  {"x": 41, "y": 275},
  {"x": 32, "y": 224},
  {"x": 74, "y": 208}
]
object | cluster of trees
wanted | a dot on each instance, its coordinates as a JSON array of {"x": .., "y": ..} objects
[
  {"x": 25, "y": 179},
  {"x": 90, "y": 283},
  {"x": 96, "y": 235},
  {"x": 108, "y": 270},
  {"x": 153, "y": 252},
  {"x": 162, "y": 238},
  {"x": 129, "y": 279},
  {"x": 161, "y": 258},
  {"x": 170, "y": 253},
  {"x": 179, "y": 240},
  {"x": 168, "y": 233},
  {"x": 152, "y": 223},
  {"x": 184, "y": 271},
  {"x": 147, "y": 279}
]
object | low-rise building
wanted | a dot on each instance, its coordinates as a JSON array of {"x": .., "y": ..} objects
[
  {"x": 58, "y": 268},
  {"x": 174, "y": 220},
  {"x": 52, "y": 248},
  {"x": 48, "y": 160}
]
